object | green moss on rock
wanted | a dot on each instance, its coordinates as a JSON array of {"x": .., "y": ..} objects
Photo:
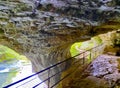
[{"x": 9, "y": 54}]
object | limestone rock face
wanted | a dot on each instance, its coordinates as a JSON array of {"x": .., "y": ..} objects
[
  {"x": 47, "y": 35},
  {"x": 106, "y": 67},
  {"x": 97, "y": 10}
]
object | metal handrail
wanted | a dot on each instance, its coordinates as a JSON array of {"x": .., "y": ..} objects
[{"x": 48, "y": 68}]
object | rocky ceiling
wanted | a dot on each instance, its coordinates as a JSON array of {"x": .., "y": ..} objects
[{"x": 45, "y": 33}]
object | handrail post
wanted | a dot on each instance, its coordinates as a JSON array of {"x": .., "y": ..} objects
[
  {"x": 49, "y": 78},
  {"x": 90, "y": 55},
  {"x": 83, "y": 58},
  {"x": 93, "y": 54}
]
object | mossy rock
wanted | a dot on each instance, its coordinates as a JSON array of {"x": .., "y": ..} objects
[
  {"x": 73, "y": 48},
  {"x": 118, "y": 60},
  {"x": 9, "y": 54},
  {"x": 89, "y": 82},
  {"x": 1, "y": 31},
  {"x": 21, "y": 7}
]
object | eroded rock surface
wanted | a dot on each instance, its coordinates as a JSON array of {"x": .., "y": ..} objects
[
  {"x": 106, "y": 67},
  {"x": 46, "y": 36},
  {"x": 103, "y": 72}
]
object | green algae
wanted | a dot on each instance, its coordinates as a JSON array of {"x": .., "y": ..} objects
[
  {"x": 85, "y": 45},
  {"x": 9, "y": 54},
  {"x": 73, "y": 49}
]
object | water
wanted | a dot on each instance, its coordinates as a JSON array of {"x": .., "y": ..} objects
[
  {"x": 8, "y": 69},
  {"x": 12, "y": 71},
  {"x": 3, "y": 78}
]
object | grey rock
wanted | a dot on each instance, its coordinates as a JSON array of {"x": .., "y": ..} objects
[{"x": 47, "y": 41}]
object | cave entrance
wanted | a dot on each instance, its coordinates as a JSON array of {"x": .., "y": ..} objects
[
  {"x": 14, "y": 67},
  {"x": 80, "y": 47},
  {"x": 110, "y": 39}
]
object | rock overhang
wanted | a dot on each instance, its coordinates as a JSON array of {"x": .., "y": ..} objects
[{"x": 46, "y": 37}]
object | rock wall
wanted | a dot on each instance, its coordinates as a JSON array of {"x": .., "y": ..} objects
[
  {"x": 111, "y": 41},
  {"x": 46, "y": 35}
]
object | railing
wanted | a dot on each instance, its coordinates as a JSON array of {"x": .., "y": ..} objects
[{"x": 49, "y": 75}]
